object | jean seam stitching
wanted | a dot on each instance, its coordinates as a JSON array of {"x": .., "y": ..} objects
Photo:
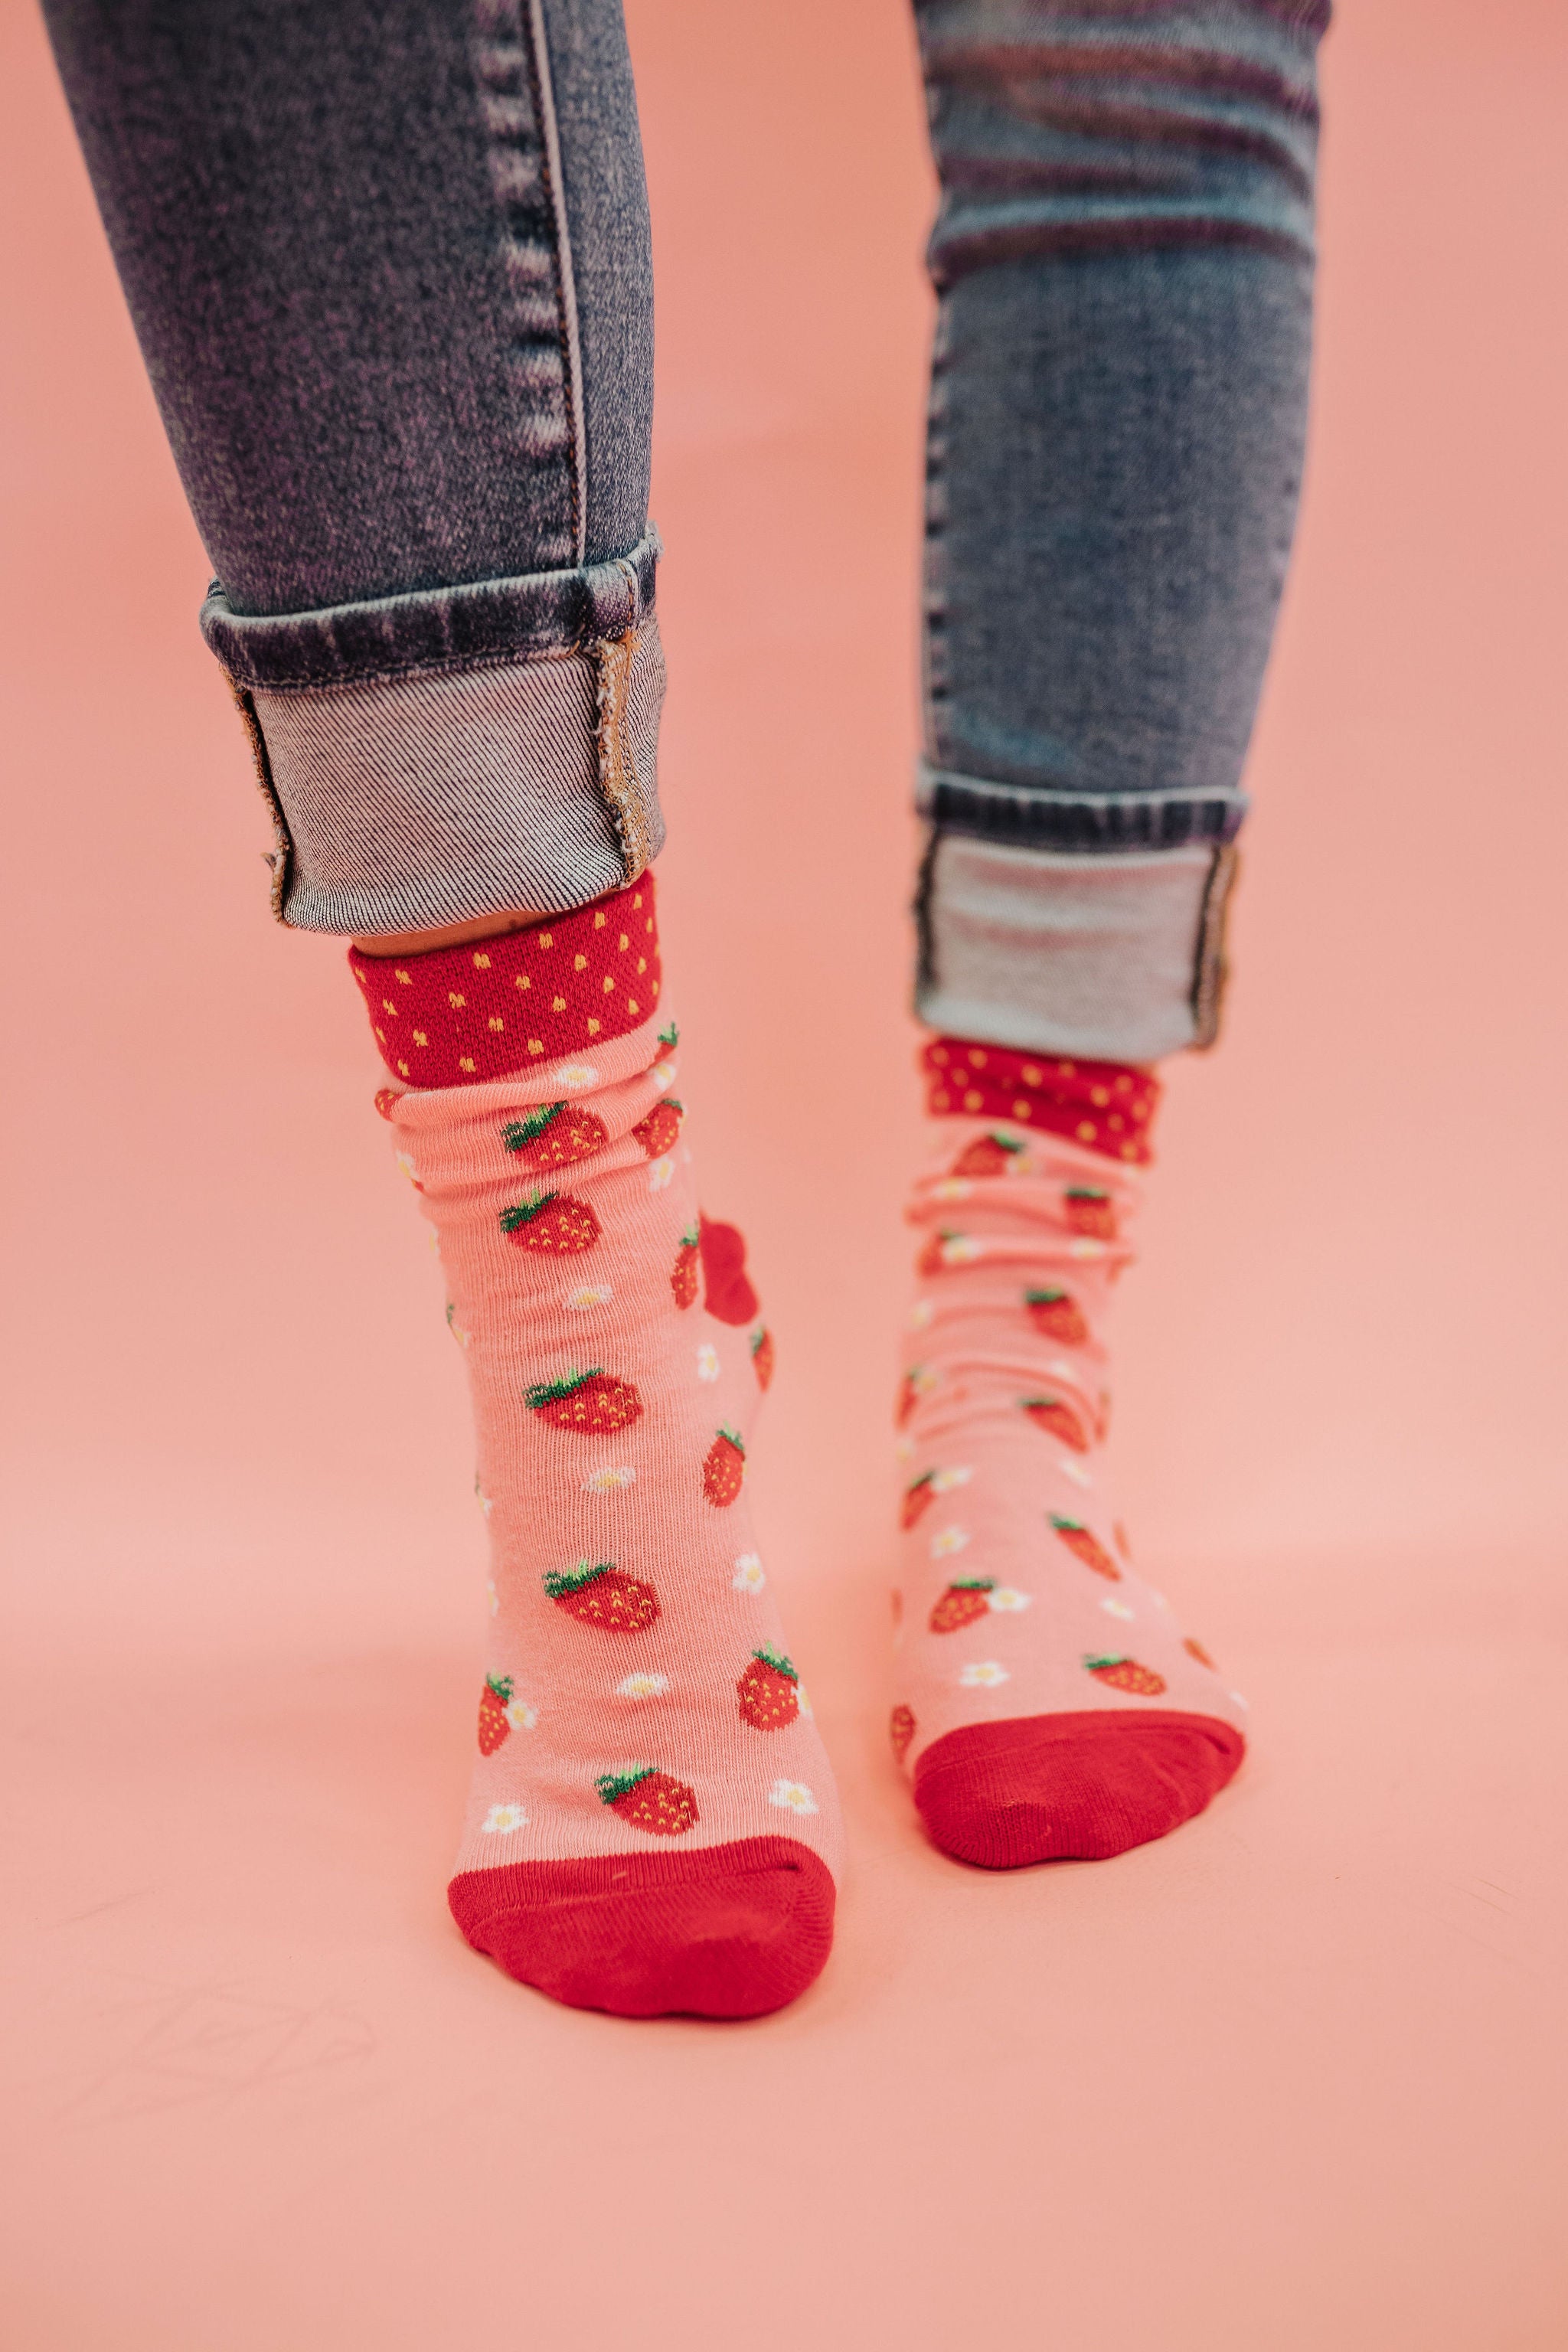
[{"x": 565, "y": 277}]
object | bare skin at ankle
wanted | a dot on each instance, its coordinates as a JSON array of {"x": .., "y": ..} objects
[{"x": 453, "y": 935}]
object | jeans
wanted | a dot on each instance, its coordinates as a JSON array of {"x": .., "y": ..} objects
[{"x": 389, "y": 267}]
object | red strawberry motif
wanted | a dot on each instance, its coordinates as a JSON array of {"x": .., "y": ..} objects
[
  {"x": 657, "y": 1131},
  {"x": 649, "y": 1800},
  {"x": 967, "y": 1598},
  {"x": 555, "y": 1135},
  {"x": 918, "y": 1498},
  {"x": 945, "y": 1250},
  {"x": 727, "y": 1288},
  {"x": 769, "y": 1692},
  {"x": 1197, "y": 1649},
  {"x": 551, "y": 1222},
  {"x": 901, "y": 1728},
  {"x": 494, "y": 1701},
  {"x": 1050, "y": 1413},
  {"x": 1127, "y": 1675},
  {"x": 1091, "y": 1210},
  {"x": 591, "y": 1402},
  {"x": 1058, "y": 1316},
  {"x": 723, "y": 1468},
  {"x": 598, "y": 1593},
  {"x": 917, "y": 1382},
  {"x": 1088, "y": 1547},
  {"x": 683, "y": 1280},
  {"x": 670, "y": 1038},
  {"x": 988, "y": 1155},
  {"x": 762, "y": 1356},
  {"x": 386, "y": 1100}
]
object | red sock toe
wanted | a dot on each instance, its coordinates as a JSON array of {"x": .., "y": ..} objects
[
  {"x": 1059, "y": 1788},
  {"x": 729, "y": 1931}
]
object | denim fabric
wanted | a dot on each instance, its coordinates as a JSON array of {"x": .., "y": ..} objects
[
  {"x": 1123, "y": 257},
  {"x": 389, "y": 264}
]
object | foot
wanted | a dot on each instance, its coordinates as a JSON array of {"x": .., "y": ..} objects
[
  {"x": 652, "y": 1826},
  {"x": 1050, "y": 1706}
]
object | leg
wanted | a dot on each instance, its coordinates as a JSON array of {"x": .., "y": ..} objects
[
  {"x": 1123, "y": 256},
  {"x": 389, "y": 266}
]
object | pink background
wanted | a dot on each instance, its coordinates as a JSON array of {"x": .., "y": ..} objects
[{"x": 1294, "y": 2078}]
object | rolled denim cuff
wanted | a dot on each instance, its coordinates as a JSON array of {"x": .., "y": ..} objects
[
  {"x": 456, "y": 752},
  {"x": 1116, "y": 956}
]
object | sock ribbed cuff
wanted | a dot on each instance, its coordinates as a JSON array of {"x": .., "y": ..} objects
[
  {"x": 1106, "y": 1105},
  {"x": 457, "y": 1016}
]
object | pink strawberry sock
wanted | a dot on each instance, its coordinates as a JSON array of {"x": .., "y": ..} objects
[
  {"x": 652, "y": 1826},
  {"x": 1049, "y": 1705}
]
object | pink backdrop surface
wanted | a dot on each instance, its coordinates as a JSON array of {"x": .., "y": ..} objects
[{"x": 1294, "y": 2077}]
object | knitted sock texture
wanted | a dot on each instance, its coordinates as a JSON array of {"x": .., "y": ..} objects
[
  {"x": 1050, "y": 1703},
  {"x": 652, "y": 1824}
]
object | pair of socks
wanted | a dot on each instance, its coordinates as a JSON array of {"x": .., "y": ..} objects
[{"x": 652, "y": 1826}]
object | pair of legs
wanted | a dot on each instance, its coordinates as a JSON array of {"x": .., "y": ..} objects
[{"x": 390, "y": 271}]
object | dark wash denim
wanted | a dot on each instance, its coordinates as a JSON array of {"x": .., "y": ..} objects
[{"x": 390, "y": 270}]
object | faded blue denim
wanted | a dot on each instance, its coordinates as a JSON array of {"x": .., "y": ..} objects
[{"x": 390, "y": 270}]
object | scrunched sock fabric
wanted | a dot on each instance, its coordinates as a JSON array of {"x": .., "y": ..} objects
[
  {"x": 652, "y": 1826},
  {"x": 1049, "y": 1705}
]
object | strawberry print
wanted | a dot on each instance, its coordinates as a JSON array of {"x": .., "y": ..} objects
[
  {"x": 966, "y": 1600},
  {"x": 1088, "y": 1547},
  {"x": 1091, "y": 1210},
  {"x": 552, "y": 1223},
  {"x": 597, "y": 1593},
  {"x": 769, "y": 1692},
  {"x": 902, "y": 1730},
  {"x": 590, "y": 1402},
  {"x": 657, "y": 1131},
  {"x": 683, "y": 1280},
  {"x": 1057, "y": 1317},
  {"x": 494, "y": 1701},
  {"x": 989, "y": 1155},
  {"x": 762, "y": 1354},
  {"x": 648, "y": 1799},
  {"x": 1127, "y": 1675},
  {"x": 1050, "y": 1413},
  {"x": 1197, "y": 1649},
  {"x": 918, "y": 1498},
  {"x": 945, "y": 1250},
  {"x": 918, "y": 1382},
  {"x": 726, "y": 1285},
  {"x": 723, "y": 1468},
  {"x": 555, "y": 1135}
]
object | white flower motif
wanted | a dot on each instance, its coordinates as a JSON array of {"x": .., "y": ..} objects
[
  {"x": 983, "y": 1674},
  {"x": 1236, "y": 1700},
  {"x": 707, "y": 1362},
  {"x": 609, "y": 1480},
  {"x": 660, "y": 1173},
  {"x": 663, "y": 1076},
  {"x": 952, "y": 1188},
  {"x": 942, "y": 1482},
  {"x": 592, "y": 1294},
  {"x": 495, "y": 1596},
  {"x": 903, "y": 1449},
  {"x": 486, "y": 1502},
  {"x": 1081, "y": 1246},
  {"x": 1114, "y": 1607},
  {"x": 920, "y": 1313},
  {"x": 502, "y": 1818},
  {"x": 1007, "y": 1597},
  {"x": 801, "y": 1700},
  {"x": 1075, "y": 1471},
  {"x": 521, "y": 1716},
  {"x": 749, "y": 1576},
  {"x": 792, "y": 1797},
  {"x": 403, "y": 1162},
  {"x": 576, "y": 1075},
  {"x": 947, "y": 1541},
  {"x": 643, "y": 1687},
  {"x": 1060, "y": 1370},
  {"x": 1159, "y": 1601},
  {"x": 960, "y": 1249}
]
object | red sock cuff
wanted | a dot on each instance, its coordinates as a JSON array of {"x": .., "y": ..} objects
[
  {"x": 1109, "y": 1105},
  {"x": 455, "y": 1017}
]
